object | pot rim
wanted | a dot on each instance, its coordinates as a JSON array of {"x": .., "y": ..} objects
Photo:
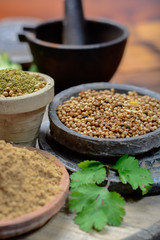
[
  {"x": 31, "y": 36},
  {"x": 31, "y": 101}
]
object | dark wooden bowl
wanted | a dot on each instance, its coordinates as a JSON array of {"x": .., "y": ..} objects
[
  {"x": 100, "y": 147},
  {"x": 70, "y": 65}
]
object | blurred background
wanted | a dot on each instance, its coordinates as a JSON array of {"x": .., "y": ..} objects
[
  {"x": 141, "y": 62},
  {"x": 126, "y": 11}
]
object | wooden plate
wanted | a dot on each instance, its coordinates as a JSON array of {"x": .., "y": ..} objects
[{"x": 37, "y": 218}]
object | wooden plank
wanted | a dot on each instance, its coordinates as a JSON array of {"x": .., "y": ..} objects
[
  {"x": 140, "y": 65},
  {"x": 147, "y": 79},
  {"x": 142, "y": 220},
  {"x": 143, "y": 48}
]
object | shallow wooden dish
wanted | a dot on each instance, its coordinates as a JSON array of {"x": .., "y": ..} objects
[
  {"x": 100, "y": 147},
  {"x": 37, "y": 218}
]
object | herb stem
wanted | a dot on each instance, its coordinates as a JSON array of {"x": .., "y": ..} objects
[
  {"x": 111, "y": 168},
  {"x": 108, "y": 178}
]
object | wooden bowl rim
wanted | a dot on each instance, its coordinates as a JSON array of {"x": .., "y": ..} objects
[{"x": 30, "y": 35}]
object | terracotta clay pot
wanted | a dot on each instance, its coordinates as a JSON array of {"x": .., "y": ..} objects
[
  {"x": 33, "y": 220},
  {"x": 21, "y": 117}
]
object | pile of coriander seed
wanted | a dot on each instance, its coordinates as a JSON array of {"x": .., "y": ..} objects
[{"x": 107, "y": 114}]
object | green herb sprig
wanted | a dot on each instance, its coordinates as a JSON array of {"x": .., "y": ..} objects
[{"x": 94, "y": 204}]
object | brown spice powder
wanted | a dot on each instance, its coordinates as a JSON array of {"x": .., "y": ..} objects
[{"x": 28, "y": 180}]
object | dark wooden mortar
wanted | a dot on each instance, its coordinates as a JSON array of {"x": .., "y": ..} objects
[
  {"x": 100, "y": 147},
  {"x": 97, "y": 60}
]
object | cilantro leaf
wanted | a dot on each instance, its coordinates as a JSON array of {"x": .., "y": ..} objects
[
  {"x": 33, "y": 68},
  {"x": 90, "y": 172},
  {"x": 5, "y": 62},
  {"x": 84, "y": 195},
  {"x": 96, "y": 207},
  {"x": 129, "y": 171},
  {"x": 115, "y": 210},
  {"x": 91, "y": 216}
]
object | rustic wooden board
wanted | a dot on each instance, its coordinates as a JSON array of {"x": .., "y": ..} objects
[
  {"x": 142, "y": 53},
  {"x": 140, "y": 65},
  {"x": 147, "y": 79},
  {"x": 142, "y": 222}
]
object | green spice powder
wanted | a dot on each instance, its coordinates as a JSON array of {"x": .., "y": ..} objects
[{"x": 19, "y": 81}]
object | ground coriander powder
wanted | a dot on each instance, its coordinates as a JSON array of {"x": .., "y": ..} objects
[
  {"x": 15, "y": 82},
  {"x": 28, "y": 180}
]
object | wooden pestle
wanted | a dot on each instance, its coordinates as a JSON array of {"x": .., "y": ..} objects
[{"x": 73, "y": 24}]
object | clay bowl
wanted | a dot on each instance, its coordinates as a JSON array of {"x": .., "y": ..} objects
[
  {"x": 37, "y": 218},
  {"x": 100, "y": 147},
  {"x": 71, "y": 65},
  {"x": 21, "y": 117}
]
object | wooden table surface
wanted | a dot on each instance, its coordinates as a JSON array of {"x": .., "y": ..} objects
[{"x": 140, "y": 66}]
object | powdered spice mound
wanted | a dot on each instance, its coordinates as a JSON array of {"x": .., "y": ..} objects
[
  {"x": 15, "y": 82},
  {"x": 28, "y": 180}
]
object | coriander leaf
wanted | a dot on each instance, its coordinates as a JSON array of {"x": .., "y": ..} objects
[
  {"x": 33, "y": 68},
  {"x": 96, "y": 207},
  {"x": 91, "y": 216},
  {"x": 83, "y": 196},
  {"x": 5, "y": 62},
  {"x": 88, "y": 163},
  {"x": 90, "y": 172},
  {"x": 129, "y": 171},
  {"x": 145, "y": 189},
  {"x": 115, "y": 208}
]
